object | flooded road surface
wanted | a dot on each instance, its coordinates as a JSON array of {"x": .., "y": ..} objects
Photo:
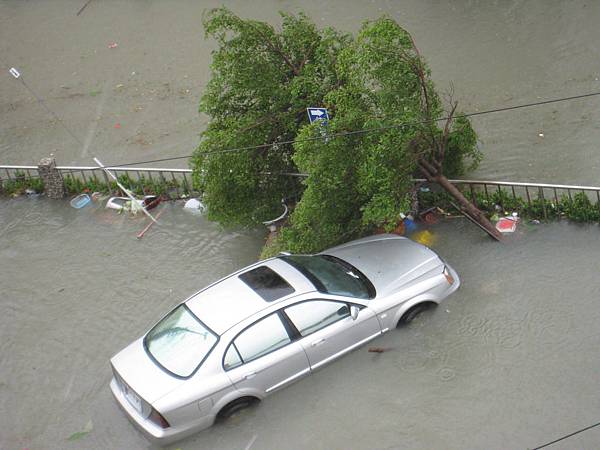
[
  {"x": 139, "y": 101},
  {"x": 509, "y": 361}
]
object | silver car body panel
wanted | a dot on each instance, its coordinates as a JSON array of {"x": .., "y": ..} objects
[
  {"x": 270, "y": 372},
  {"x": 339, "y": 338},
  {"x": 230, "y": 300},
  {"x": 388, "y": 261},
  {"x": 151, "y": 382},
  {"x": 229, "y": 307}
]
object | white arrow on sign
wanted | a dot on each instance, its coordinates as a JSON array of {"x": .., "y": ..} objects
[{"x": 317, "y": 112}]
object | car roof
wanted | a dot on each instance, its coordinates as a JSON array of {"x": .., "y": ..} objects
[{"x": 229, "y": 301}]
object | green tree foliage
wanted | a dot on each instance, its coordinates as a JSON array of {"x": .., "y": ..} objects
[{"x": 262, "y": 82}]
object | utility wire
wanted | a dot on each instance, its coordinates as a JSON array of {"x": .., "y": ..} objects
[
  {"x": 370, "y": 130},
  {"x": 567, "y": 436},
  {"x": 317, "y": 138},
  {"x": 19, "y": 77}
]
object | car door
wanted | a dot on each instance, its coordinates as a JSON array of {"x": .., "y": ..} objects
[
  {"x": 264, "y": 358},
  {"x": 327, "y": 329}
]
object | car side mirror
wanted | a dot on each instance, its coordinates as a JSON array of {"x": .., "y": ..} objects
[{"x": 354, "y": 310}]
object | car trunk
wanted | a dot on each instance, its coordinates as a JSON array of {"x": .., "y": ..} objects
[{"x": 142, "y": 374}]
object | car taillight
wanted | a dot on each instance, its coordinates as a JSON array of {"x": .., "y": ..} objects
[
  {"x": 449, "y": 277},
  {"x": 157, "y": 419}
]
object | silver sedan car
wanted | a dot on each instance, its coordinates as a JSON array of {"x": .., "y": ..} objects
[{"x": 269, "y": 325}]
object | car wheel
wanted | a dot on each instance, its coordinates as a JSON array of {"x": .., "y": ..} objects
[
  {"x": 235, "y": 406},
  {"x": 413, "y": 312}
]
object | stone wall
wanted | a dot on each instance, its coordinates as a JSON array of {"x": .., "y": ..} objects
[{"x": 53, "y": 181}]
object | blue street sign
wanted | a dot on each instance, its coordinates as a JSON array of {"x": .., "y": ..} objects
[{"x": 318, "y": 114}]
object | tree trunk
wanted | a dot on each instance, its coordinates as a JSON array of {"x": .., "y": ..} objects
[{"x": 468, "y": 207}]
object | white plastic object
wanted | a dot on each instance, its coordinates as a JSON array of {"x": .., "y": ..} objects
[
  {"x": 14, "y": 72},
  {"x": 195, "y": 204}
]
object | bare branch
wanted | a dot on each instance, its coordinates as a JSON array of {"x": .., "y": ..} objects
[{"x": 444, "y": 144}]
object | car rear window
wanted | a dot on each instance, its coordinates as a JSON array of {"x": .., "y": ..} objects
[
  {"x": 180, "y": 342},
  {"x": 266, "y": 283}
]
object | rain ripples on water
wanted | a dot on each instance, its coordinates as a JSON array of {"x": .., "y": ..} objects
[{"x": 78, "y": 286}]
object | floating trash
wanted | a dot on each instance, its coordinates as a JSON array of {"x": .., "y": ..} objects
[
  {"x": 409, "y": 225},
  {"x": 126, "y": 204},
  {"x": 195, "y": 204},
  {"x": 122, "y": 204},
  {"x": 507, "y": 224},
  {"x": 80, "y": 201},
  {"x": 424, "y": 237},
  {"x": 86, "y": 430}
]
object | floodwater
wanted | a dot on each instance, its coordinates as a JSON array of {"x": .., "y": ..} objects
[
  {"x": 139, "y": 101},
  {"x": 510, "y": 361}
]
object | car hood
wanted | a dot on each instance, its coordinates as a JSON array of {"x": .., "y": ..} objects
[
  {"x": 389, "y": 261},
  {"x": 143, "y": 375}
]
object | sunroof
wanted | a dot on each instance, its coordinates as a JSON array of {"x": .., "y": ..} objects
[{"x": 266, "y": 283}]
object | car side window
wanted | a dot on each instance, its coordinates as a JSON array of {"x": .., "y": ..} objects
[
  {"x": 232, "y": 358},
  {"x": 311, "y": 316},
  {"x": 263, "y": 337}
]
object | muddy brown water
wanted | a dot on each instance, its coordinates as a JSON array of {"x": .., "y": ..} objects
[{"x": 509, "y": 361}]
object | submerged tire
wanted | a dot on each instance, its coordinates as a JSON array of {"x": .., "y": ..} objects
[
  {"x": 414, "y": 311},
  {"x": 235, "y": 406}
]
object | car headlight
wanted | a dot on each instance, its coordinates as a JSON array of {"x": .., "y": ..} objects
[{"x": 448, "y": 275}]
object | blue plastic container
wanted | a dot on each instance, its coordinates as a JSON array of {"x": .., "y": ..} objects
[{"x": 80, "y": 201}]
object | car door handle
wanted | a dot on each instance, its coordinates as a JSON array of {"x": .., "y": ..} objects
[
  {"x": 317, "y": 342},
  {"x": 249, "y": 375}
]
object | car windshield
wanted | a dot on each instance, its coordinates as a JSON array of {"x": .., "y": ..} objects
[
  {"x": 180, "y": 342},
  {"x": 331, "y": 275}
]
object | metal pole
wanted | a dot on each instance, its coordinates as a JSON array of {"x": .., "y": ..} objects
[
  {"x": 543, "y": 200},
  {"x": 133, "y": 199}
]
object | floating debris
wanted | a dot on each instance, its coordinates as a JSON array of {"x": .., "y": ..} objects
[
  {"x": 378, "y": 349},
  {"x": 424, "y": 237},
  {"x": 80, "y": 201},
  {"x": 86, "y": 430},
  {"x": 195, "y": 204},
  {"x": 141, "y": 233},
  {"x": 126, "y": 204},
  {"x": 409, "y": 225},
  {"x": 507, "y": 224}
]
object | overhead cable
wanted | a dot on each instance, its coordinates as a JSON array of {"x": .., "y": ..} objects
[{"x": 369, "y": 130}]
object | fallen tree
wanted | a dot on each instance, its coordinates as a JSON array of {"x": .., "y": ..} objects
[{"x": 383, "y": 129}]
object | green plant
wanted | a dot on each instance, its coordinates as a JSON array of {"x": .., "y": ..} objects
[
  {"x": 21, "y": 182},
  {"x": 263, "y": 80},
  {"x": 581, "y": 209}
]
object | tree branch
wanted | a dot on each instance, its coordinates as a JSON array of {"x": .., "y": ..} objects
[{"x": 276, "y": 48}]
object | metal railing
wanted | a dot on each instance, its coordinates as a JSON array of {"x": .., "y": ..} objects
[
  {"x": 532, "y": 193},
  {"x": 180, "y": 179}
]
